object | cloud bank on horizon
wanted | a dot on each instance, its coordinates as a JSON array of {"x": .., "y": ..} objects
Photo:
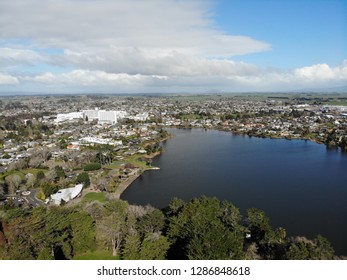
[{"x": 128, "y": 46}]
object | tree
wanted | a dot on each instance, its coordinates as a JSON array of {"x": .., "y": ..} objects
[
  {"x": 153, "y": 221},
  {"x": 198, "y": 229},
  {"x": 92, "y": 166},
  {"x": 131, "y": 248},
  {"x": 259, "y": 225},
  {"x": 323, "y": 249},
  {"x": 23, "y": 230},
  {"x": 112, "y": 228},
  {"x": 13, "y": 182},
  {"x": 2, "y": 189},
  {"x": 297, "y": 251},
  {"x": 84, "y": 179},
  {"x": 101, "y": 184},
  {"x": 51, "y": 175},
  {"x": 154, "y": 247},
  {"x": 40, "y": 176},
  {"x": 252, "y": 252},
  {"x": 83, "y": 232},
  {"x": 301, "y": 248},
  {"x": 10, "y": 125},
  {"x": 175, "y": 206},
  {"x": 231, "y": 217},
  {"x": 281, "y": 234},
  {"x": 262, "y": 233},
  {"x": 30, "y": 180},
  {"x": 57, "y": 232},
  {"x": 95, "y": 209},
  {"x": 60, "y": 171},
  {"x": 213, "y": 241},
  {"x": 46, "y": 254},
  {"x": 49, "y": 188}
]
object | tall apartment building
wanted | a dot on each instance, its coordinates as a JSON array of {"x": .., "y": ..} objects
[{"x": 104, "y": 116}]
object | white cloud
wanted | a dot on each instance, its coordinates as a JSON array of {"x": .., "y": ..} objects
[
  {"x": 314, "y": 76},
  {"x": 120, "y": 42},
  {"x": 11, "y": 57},
  {"x": 322, "y": 72},
  {"x": 95, "y": 25},
  {"x": 6, "y": 79},
  {"x": 136, "y": 46},
  {"x": 93, "y": 78},
  {"x": 150, "y": 62},
  {"x": 223, "y": 75}
]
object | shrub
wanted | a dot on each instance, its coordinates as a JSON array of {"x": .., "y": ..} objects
[
  {"x": 84, "y": 179},
  {"x": 92, "y": 166}
]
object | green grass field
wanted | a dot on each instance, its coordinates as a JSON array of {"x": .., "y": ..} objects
[
  {"x": 134, "y": 160},
  {"x": 97, "y": 255},
  {"x": 12, "y": 172},
  {"x": 336, "y": 103},
  {"x": 94, "y": 196},
  {"x": 114, "y": 165}
]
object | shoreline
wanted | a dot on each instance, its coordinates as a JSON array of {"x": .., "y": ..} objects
[
  {"x": 127, "y": 183},
  {"x": 256, "y": 136}
]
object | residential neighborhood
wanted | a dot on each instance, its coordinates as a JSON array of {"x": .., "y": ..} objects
[
  {"x": 51, "y": 135},
  {"x": 66, "y": 160}
]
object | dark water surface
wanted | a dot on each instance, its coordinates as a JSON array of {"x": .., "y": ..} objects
[{"x": 301, "y": 185}]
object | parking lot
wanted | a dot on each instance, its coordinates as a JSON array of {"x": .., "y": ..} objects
[{"x": 24, "y": 199}]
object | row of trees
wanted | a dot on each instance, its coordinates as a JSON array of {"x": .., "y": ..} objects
[{"x": 204, "y": 228}]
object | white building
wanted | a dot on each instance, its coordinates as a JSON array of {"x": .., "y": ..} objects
[
  {"x": 104, "y": 116},
  {"x": 140, "y": 117},
  {"x": 107, "y": 117},
  {"x": 66, "y": 194},
  {"x": 121, "y": 114},
  {"x": 91, "y": 115},
  {"x": 69, "y": 116},
  {"x": 102, "y": 141}
]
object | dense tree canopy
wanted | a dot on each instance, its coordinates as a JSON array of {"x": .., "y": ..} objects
[{"x": 204, "y": 228}]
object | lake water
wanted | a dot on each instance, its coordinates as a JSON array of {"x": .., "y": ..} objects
[{"x": 301, "y": 185}]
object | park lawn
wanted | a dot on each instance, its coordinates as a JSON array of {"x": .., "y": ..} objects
[
  {"x": 134, "y": 160},
  {"x": 12, "y": 172},
  {"x": 22, "y": 172},
  {"x": 96, "y": 255},
  {"x": 311, "y": 135},
  {"x": 33, "y": 171},
  {"x": 99, "y": 196},
  {"x": 114, "y": 165}
]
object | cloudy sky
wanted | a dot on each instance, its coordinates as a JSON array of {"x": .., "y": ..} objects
[{"x": 171, "y": 46}]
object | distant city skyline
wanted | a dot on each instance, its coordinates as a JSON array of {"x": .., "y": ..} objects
[{"x": 172, "y": 46}]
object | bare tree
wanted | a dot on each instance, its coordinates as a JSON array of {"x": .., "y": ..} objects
[
  {"x": 102, "y": 184},
  {"x": 13, "y": 182},
  {"x": 30, "y": 180},
  {"x": 17, "y": 165},
  {"x": 94, "y": 209},
  {"x": 35, "y": 161}
]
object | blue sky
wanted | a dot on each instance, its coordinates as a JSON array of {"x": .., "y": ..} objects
[
  {"x": 301, "y": 32},
  {"x": 172, "y": 46}
]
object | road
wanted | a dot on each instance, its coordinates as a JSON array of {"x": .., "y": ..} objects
[{"x": 33, "y": 200}]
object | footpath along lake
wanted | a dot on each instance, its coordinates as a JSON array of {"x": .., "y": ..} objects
[{"x": 300, "y": 185}]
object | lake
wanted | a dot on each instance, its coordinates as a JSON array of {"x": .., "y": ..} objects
[{"x": 300, "y": 184}]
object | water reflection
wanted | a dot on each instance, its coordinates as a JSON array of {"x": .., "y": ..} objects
[{"x": 300, "y": 184}]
